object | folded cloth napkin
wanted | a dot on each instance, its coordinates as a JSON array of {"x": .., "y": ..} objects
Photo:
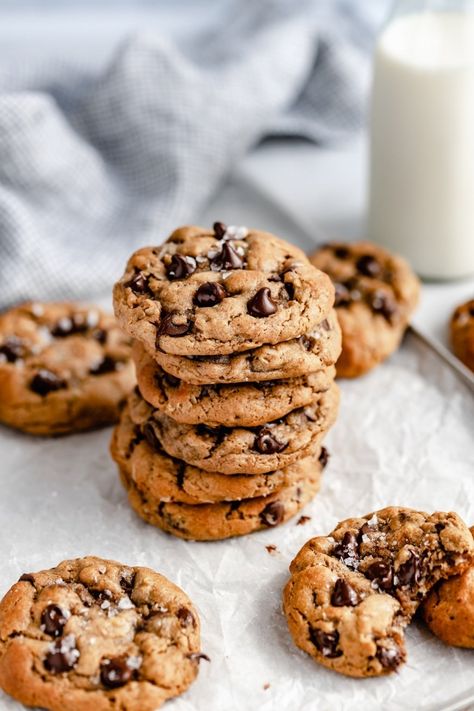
[{"x": 92, "y": 167}]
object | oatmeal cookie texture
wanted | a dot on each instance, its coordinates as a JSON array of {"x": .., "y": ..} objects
[
  {"x": 96, "y": 635},
  {"x": 351, "y": 594},
  {"x": 63, "y": 368},
  {"x": 236, "y": 341},
  {"x": 376, "y": 293}
]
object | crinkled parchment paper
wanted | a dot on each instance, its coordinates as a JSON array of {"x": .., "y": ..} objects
[{"x": 404, "y": 436}]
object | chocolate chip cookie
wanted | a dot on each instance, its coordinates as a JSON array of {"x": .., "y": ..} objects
[
  {"x": 449, "y": 609},
  {"x": 206, "y": 522},
  {"x": 63, "y": 368},
  {"x": 93, "y": 634},
  {"x": 245, "y": 404},
  {"x": 309, "y": 353},
  {"x": 161, "y": 477},
  {"x": 376, "y": 293},
  {"x": 214, "y": 292},
  {"x": 352, "y": 593},
  {"x": 462, "y": 333},
  {"x": 241, "y": 450}
]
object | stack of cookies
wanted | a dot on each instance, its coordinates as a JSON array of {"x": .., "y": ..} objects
[{"x": 235, "y": 344}]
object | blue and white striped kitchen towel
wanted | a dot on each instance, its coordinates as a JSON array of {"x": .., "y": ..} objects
[{"x": 91, "y": 167}]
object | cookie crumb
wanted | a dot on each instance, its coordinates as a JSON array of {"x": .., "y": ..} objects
[
  {"x": 302, "y": 520},
  {"x": 272, "y": 549},
  {"x": 266, "y": 686}
]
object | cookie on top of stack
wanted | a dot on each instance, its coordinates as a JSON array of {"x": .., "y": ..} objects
[{"x": 235, "y": 344}]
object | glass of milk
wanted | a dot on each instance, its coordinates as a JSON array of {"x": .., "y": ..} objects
[{"x": 422, "y": 137}]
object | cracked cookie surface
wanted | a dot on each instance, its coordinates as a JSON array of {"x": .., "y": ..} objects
[
  {"x": 95, "y": 635},
  {"x": 161, "y": 477},
  {"x": 241, "y": 450},
  {"x": 462, "y": 333},
  {"x": 352, "y": 593},
  {"x": 220, "y": 291},
  {"x": 376, "y": 293},
  {"x": 449, "y": 609},
  {"x": 63, "y": 368},
  {"x": 309, "y": 353},
  {"x": 245, "y": 404},
  {"x": 206, "y": 522}
]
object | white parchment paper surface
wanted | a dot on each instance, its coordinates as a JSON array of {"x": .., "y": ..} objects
[{"x": 404, "y": 437}]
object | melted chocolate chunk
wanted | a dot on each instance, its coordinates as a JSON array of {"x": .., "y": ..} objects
[
  {"x": 325, "y": 325},
  {"x": 266, "y": 443},
  {"x": 272, "y": 514},
  {"x": 381, "y": 573},
  {"x": 12, "y": 349},
  {"x": 180, "y": 267},
  {"x": 290, "y": 291},
  {"x": 368, "y": 265},
  {"x": 45, "y": 382},
  {"x": 185, "y": 617},
  {"x": 343, "y": 296},
  {"x": 262, "y": 304},
  {"x": 168, "y": 328},
  {"x": 150, "y": 436},
  {"x": 227, "y": 259},
  {"x": 53, "y": 620},
  {"x": 127, "y": 582},
  {"x": 210, "y": 294},
  {"x": 106, "y": 365},
  {"x": 171, "y": 380},
  {"x": 115, "y": 672},
  {"x": 343, "y": 594},
  {"x": 347, "y": 550},
  {"x": 325, "y": 642},
  {"x": 408, "y": 572},
  {"x": 383, "y": 304},
  {"x": 27, "y": 578},
  {"x": 219, "y": 229},
  {"x": 63, "y": 656},
  {"x": 389, "y": 658},
  {"x": 324, "y": 457},
  {"x": 100, "y": 335},
  {"x": 139, "y": 284},
  {"x": 341, "y": 252},
  {"x": 69, "y": 326}
]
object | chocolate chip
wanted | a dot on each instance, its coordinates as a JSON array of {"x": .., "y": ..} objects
[
  {"x": 368, "y": 265},
  {"x": 364, "y": 530},
  {"x": 139, "y": 284},
  {"x": 63, "y": 656},
  {"x": 127, "y": 582},
  {"x": 266, "y": 443},
  {"x": 27, "y": 578},
  {"x": 171, "y": 380},
  {"x": 389, "y": 657},
  {"x": 185, "y": 617},
  {"x": 100, "y": 335},
  {"x": 209, "y": 294},
  {"x": 383, "y": 304},
  {"x": 343, "y": 594},
  {"x": 272, "y": 514},
  {"x": 106, "y": 365},
  {"x": 150, "y": 436},
  {"x": 180, "y": 267},
  {"x": 341, "y": 252},
  {"x": 219, "y": 229},
  {"x": 53, "y": 620},
  {"x": 347, "y": 550},
  {"x": 227, "y": 259},
  {"x": 261, "y": 304},
  {"x": 12, "y": 349},
  {"x": 325, "y": 325},
  {"x": 308, "y": 342},
  {"x": 45, "y": 382},
  {"x": 324, "y": 457},
  {"x": 343, "y": 296},
  {"x": 115, "y": 672},
  {"x": 167, "y": 327},
  {"x": 223, "y": 359},
  {"x": 408, "y": 572},
  {"x": 325, "y": 642},
  {"x": 290, "y": 291},
  {"x": 69, "y": 326},
  {"x": 381, "y": 573},
  {"x": 197, "y": 656}
]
